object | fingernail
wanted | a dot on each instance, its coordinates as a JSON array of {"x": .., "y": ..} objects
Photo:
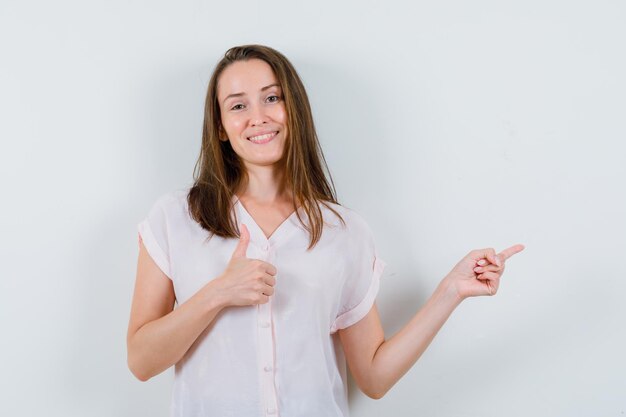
[{"x": 481, "y": 262}]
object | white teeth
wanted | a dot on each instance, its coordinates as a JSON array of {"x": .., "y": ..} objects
[{"x": 261, "y": 137}]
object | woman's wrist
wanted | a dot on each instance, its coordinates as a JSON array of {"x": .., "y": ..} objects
[
  {"x": 451, "y": 291},
  {"x": 212, "y": 295}
]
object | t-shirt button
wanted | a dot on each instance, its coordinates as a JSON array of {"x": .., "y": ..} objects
[
  {"x": 265, "y": 324},
  {"x": 267, "y": 368},
  {"x": 266, "y": 247},
  {"x": 271, "y": 411}
]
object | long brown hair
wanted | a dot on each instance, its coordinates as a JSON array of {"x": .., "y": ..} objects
[{"x": 219, "y": 172}]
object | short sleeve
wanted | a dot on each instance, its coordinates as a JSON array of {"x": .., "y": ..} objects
[
  {"x": 153, "y": 232},
  {"x": 364, "y": 270}
]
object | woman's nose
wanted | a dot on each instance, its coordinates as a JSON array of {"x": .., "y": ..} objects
[{"x": 257, "y": 116}]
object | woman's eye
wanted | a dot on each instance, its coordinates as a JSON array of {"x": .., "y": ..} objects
[
  {"x": 236, "y": 107},
  {"x": 273, "y": 101}
]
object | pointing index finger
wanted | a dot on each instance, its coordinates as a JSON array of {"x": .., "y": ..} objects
[{"x": 507, "y": 253}]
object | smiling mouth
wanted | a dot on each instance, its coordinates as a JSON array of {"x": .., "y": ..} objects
[{"x": 263, "y": 138}]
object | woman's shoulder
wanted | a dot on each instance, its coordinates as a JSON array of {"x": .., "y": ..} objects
[
  {"x": 354, "y": 221},
  {"x": 173, "y": 201}
]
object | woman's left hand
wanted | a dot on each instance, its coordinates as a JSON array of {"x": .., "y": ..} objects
[{"x": 479, "y": 272}]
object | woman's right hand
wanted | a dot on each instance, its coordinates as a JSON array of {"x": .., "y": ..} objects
[{"x": 246, "y": 281}]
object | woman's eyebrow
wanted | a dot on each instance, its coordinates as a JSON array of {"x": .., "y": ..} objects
[{"x": 243, "y": 94}]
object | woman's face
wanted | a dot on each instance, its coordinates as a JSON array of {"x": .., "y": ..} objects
[{"x": 253, "y": 112}]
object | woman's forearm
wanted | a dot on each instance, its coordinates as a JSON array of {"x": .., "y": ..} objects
[
  {"x": 397, "y": 355},
  {"x": 161, "y": 343}
]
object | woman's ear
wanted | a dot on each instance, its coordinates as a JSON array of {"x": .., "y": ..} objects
[{"x": 222, "y": 134}]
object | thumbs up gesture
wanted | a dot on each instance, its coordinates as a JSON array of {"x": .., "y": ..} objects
[{"x": 246, "y": 281}]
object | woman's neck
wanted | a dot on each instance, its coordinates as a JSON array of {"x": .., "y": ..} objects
[{"x": 265, "y": 186}]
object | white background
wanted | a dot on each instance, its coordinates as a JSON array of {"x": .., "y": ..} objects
[{"x": 448, "y": 125}]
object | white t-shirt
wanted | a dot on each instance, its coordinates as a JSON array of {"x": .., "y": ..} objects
[{"x": 282, "y": 358}]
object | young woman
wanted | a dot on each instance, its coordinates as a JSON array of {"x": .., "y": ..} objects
[{"x": 274, "y": 281}]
